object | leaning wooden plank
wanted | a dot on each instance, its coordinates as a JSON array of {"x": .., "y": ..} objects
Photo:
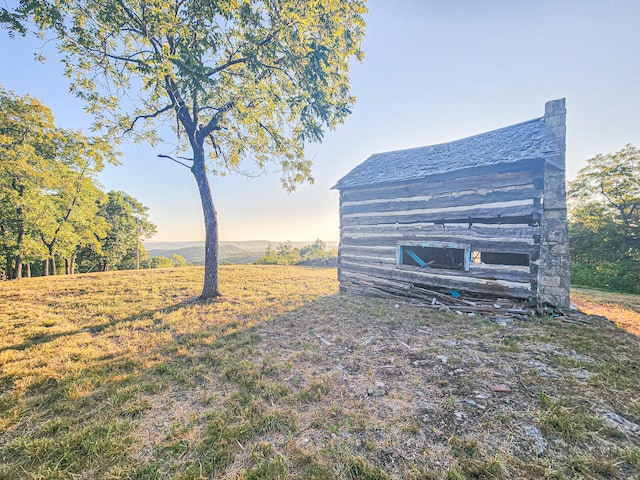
[
  {"x": 517, "y": 289},
  {"x": 416, "y": 258}
]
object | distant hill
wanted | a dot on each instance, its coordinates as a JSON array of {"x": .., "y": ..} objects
[
  {"x": 229, "y": 252},
  {"x": 194, "y": 253}
]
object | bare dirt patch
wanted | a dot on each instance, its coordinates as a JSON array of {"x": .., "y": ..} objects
[{"x": 416, "y": 393}]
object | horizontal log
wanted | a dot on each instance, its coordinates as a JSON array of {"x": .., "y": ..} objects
[
  {"x": 446, "y": 210},
  {"x": 489, "y": 232},
  {"x": 379, "y": 252},
  {"x": 401, "y": 278},
  {"x": 476, "y": 272},
  {"x": 473, "y": 198},
  {"x": 512, "y": 214},
  {"x": 503, "y": 175},
  {"x": 478, "y": 245}
]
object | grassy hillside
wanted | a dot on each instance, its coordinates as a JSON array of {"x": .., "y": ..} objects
[{"x": 123, "y": 375}]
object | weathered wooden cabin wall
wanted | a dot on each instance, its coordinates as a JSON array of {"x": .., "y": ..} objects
[{"x": 493, "y": 210}]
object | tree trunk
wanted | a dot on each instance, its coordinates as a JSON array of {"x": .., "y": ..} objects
[
  {"x": 9, "y": 269},
  {"x": 52, "y": 261},
  {"x": 28, "y": 269},
  {"x": 20, "y": 255},
  {"x": 18, "y": 270},
  {"x": 20, "y": 216},
  {"x": 72, "y": 264},
  {"x": 210, "y": 288},
  {"x": 45, "y": 267}
]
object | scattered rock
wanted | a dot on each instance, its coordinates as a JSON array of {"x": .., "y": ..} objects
[
  {"x": 539, "y": 441},
  {"x": 500, "y": 388},
  {"x": 503, "y": 321},
  {"x": 582, "y": 358},
  {"x": 475, "y": 404},
  {"x": 622, "y": 423},
  {"x": 442, "y": 358},
  {"x": 544, "y": 373},
  {"x": 481, "y": 396},
  {"x": 582, "y": 375},
  {"x": 367, "y": 341},
  {"x": 460, "y": 416}
]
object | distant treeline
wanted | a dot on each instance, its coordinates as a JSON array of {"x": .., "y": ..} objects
[{"x": 313, "y": 254}]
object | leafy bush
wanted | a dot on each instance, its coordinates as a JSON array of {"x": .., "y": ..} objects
[
  {"x": 623, "y": 276},
  {"x": 286, "y": 254}
]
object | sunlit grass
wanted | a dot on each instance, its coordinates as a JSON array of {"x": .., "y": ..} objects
[
  {"x": 125, "y": 375},
  {"x": 622, "y": 308},
  {"x": 78, "y": 352}
]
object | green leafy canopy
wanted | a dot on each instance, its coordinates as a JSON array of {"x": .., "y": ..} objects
[
  {"x": 243, "y": 79},
  {"x": 604, "y": 223}
]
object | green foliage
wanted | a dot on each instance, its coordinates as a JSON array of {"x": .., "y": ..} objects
[
  {"x": 604, "y": 222},
  {"x": 48, "y": 191},
  {"x": 127, "y": 221},
  {"x": 286, "y": 254},
  {"x": 318, "y": 249},
  {"x": 178, "y": 260},
  {"x": 254, "y": 79},
  {"x": 241, "y": 80},
  {"x": 161, "y": 262}
]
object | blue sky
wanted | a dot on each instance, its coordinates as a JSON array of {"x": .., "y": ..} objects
[{"x": 434, "y": 71}]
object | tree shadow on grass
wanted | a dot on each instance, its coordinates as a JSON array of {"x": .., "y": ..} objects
[{"x": 39, "y": 339}]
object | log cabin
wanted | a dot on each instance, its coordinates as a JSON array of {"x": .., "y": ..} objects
[{"x": 485, "y": 214}]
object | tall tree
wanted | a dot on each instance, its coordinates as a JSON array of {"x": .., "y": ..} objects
[
  {"x": 28, "y": 149},
  {"x": 128, "y": 221},
  {"x": 604, "y": 221},
  {"x": 71, "y": 203},
  {"x": 47, "y": 183},
  {"x": 612, "y": 183},
  {"x": 241, "y": 79}
]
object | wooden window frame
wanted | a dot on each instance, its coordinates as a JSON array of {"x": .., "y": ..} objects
[{"x": 400, "y": 253}]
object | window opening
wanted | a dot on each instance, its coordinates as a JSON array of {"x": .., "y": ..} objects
[
  {"x": 435, "y": 255},
  {"x": 492, "y": 258}
]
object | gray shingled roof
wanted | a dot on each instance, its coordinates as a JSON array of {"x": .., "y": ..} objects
[{"x": 524, "y": 141}]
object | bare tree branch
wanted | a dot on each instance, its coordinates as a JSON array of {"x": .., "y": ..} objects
[
  {"x": 150, "y": 115},
  {"x": 177, "y": 161}
]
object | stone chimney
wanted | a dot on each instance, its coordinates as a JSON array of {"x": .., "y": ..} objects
[
  {"x": 554, "y": 272},
  {"x": 555, "y": 117}
]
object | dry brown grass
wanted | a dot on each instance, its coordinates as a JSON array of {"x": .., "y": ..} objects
[{"x": 123, "y": 375}]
